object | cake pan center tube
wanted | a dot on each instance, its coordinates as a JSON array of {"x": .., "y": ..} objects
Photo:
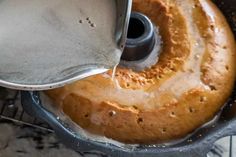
[{"x": 143, "y": 43}]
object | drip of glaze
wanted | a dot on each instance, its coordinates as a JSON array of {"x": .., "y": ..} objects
[
  {"x": 113, "y": 76},
  {"x": 114, "y": 80}
]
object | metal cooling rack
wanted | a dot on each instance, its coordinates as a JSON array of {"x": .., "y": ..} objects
[{"x": 11, "y": 110}]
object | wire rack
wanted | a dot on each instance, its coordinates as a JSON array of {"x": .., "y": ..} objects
[{"x": 11, "y": 110}]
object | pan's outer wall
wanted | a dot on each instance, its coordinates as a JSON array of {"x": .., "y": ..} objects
[{"x": 228, "y": 7}]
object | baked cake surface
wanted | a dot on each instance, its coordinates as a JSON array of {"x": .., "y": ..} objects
[{"x": 185, "y": 89}]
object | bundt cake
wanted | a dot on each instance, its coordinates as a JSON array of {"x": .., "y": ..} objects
[{"x": 189, "y": 84}]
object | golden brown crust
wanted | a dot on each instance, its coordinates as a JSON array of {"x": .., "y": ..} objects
[{"x": 185, "y": 89}]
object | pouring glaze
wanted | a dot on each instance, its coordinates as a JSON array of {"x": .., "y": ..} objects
[{"x": 47, "y": 44}]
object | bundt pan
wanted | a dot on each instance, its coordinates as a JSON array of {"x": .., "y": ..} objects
[{"x": 196, "y": 145}]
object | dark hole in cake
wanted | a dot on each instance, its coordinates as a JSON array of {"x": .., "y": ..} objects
[
  {"x": 112, "y": 113},
  {"x": 86, "y": 115},
  {"x": 212, "y": 27},
  {"x": 172, "y": 114},
  {"x": 191, "y": 110},
  {"x": 212, "y": 87},
  {"x": 140, "y": 120},
  {"x": 227, "y": 67},
  {"x": 135, "y": 107},
  {"x": 202, "y": 99},
  {"x": 159, "y": 77},
  {"x": 163, "y": 130},
  {"x": 173, "y": 69}
]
